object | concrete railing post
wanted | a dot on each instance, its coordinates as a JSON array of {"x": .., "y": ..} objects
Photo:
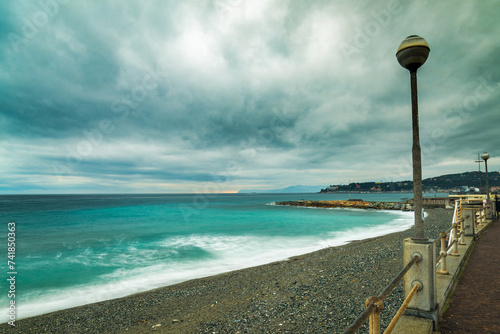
[
  {"x": 469, "y": 221},
  {"x": 488, "y": 211},
  {"x": 423, "y": 272},
  {"x": 482, "y": 216}
]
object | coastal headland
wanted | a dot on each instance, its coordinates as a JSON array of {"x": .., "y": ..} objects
[{"x": 352, "y": 204}]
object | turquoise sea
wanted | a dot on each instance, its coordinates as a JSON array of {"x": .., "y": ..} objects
[{"x": 72, "y": 250}]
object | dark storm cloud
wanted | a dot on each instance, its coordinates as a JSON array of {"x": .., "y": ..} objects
[{"x": 166, "y": 96}]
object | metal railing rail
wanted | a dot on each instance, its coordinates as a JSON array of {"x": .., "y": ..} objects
[
  {"x": 361, "y": 319},
  {"x": 441, "y": 235},
  {"x": 374, "y": 305},
  {"x": 388, "y": 289},
  {"x": 403, "y": 307}
]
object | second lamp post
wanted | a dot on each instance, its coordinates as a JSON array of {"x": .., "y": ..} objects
[{"x": 489, "y": 213}]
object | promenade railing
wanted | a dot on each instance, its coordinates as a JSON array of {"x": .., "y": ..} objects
[
  {"x": 449, "y": 241},
  {"x": 375, "y": 304}
]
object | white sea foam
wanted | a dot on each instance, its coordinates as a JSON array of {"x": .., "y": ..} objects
[{"x": 227, "y": 253}]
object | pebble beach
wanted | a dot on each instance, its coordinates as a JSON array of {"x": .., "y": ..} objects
[{"x": 320, "y": 292}]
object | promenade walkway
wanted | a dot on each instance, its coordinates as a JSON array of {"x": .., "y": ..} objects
[{"x": 475, "y": 304}]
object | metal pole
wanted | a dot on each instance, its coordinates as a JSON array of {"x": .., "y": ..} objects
[
  {"x": 403, "y": 307},
  {"x": 487, "y": 182},
  {"x": 417, "y": 162},
  {"x": 443, "y": 254},
  {"x": 374, "y": 325},
  {"x": 455, "y": 241}
]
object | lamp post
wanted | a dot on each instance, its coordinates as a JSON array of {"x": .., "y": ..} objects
[
  {"x": 489, "y": 214},
  {"x": 485, "y": 156},
  {"x": 412, "y": 53}
]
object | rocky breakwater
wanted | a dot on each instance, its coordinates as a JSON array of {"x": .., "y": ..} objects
[{"x": 357, "y": 204}]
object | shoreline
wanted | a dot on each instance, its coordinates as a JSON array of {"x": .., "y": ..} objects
[{"x": 323, "y": 291}]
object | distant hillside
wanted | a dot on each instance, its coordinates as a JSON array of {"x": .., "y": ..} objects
[
  {"x": 291, "y": 189},
  {"x": 443, "y": 183}
]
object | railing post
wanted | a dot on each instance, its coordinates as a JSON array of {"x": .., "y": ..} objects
[
  {"x": 375, "y": 316},
  {"x": 455, "y": 241},
  {"x": 488, "y": 211},
  {"x": 424, "y": 302},
  {"x": 469, "y": 221},
  {"x": 442, "y": 270},
  {"x": 482, "y": 216},
  {"x": 461, "y": 241}
]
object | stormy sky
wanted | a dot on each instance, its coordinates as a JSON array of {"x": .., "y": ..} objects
[{"x": 223, "y": 95}]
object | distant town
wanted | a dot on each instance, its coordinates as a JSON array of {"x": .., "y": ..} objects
[{"x": 468, "y": 182}]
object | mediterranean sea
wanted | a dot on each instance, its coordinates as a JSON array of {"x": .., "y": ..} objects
[{"x": 73, "y": 250}]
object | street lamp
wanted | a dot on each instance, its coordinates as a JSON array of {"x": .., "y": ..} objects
[
  {"x": 412, "y": 53},
  {"x": 485, "y": 156}
]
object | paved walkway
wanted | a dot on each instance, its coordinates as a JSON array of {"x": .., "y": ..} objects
[{"x": 475, "y": 304}]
